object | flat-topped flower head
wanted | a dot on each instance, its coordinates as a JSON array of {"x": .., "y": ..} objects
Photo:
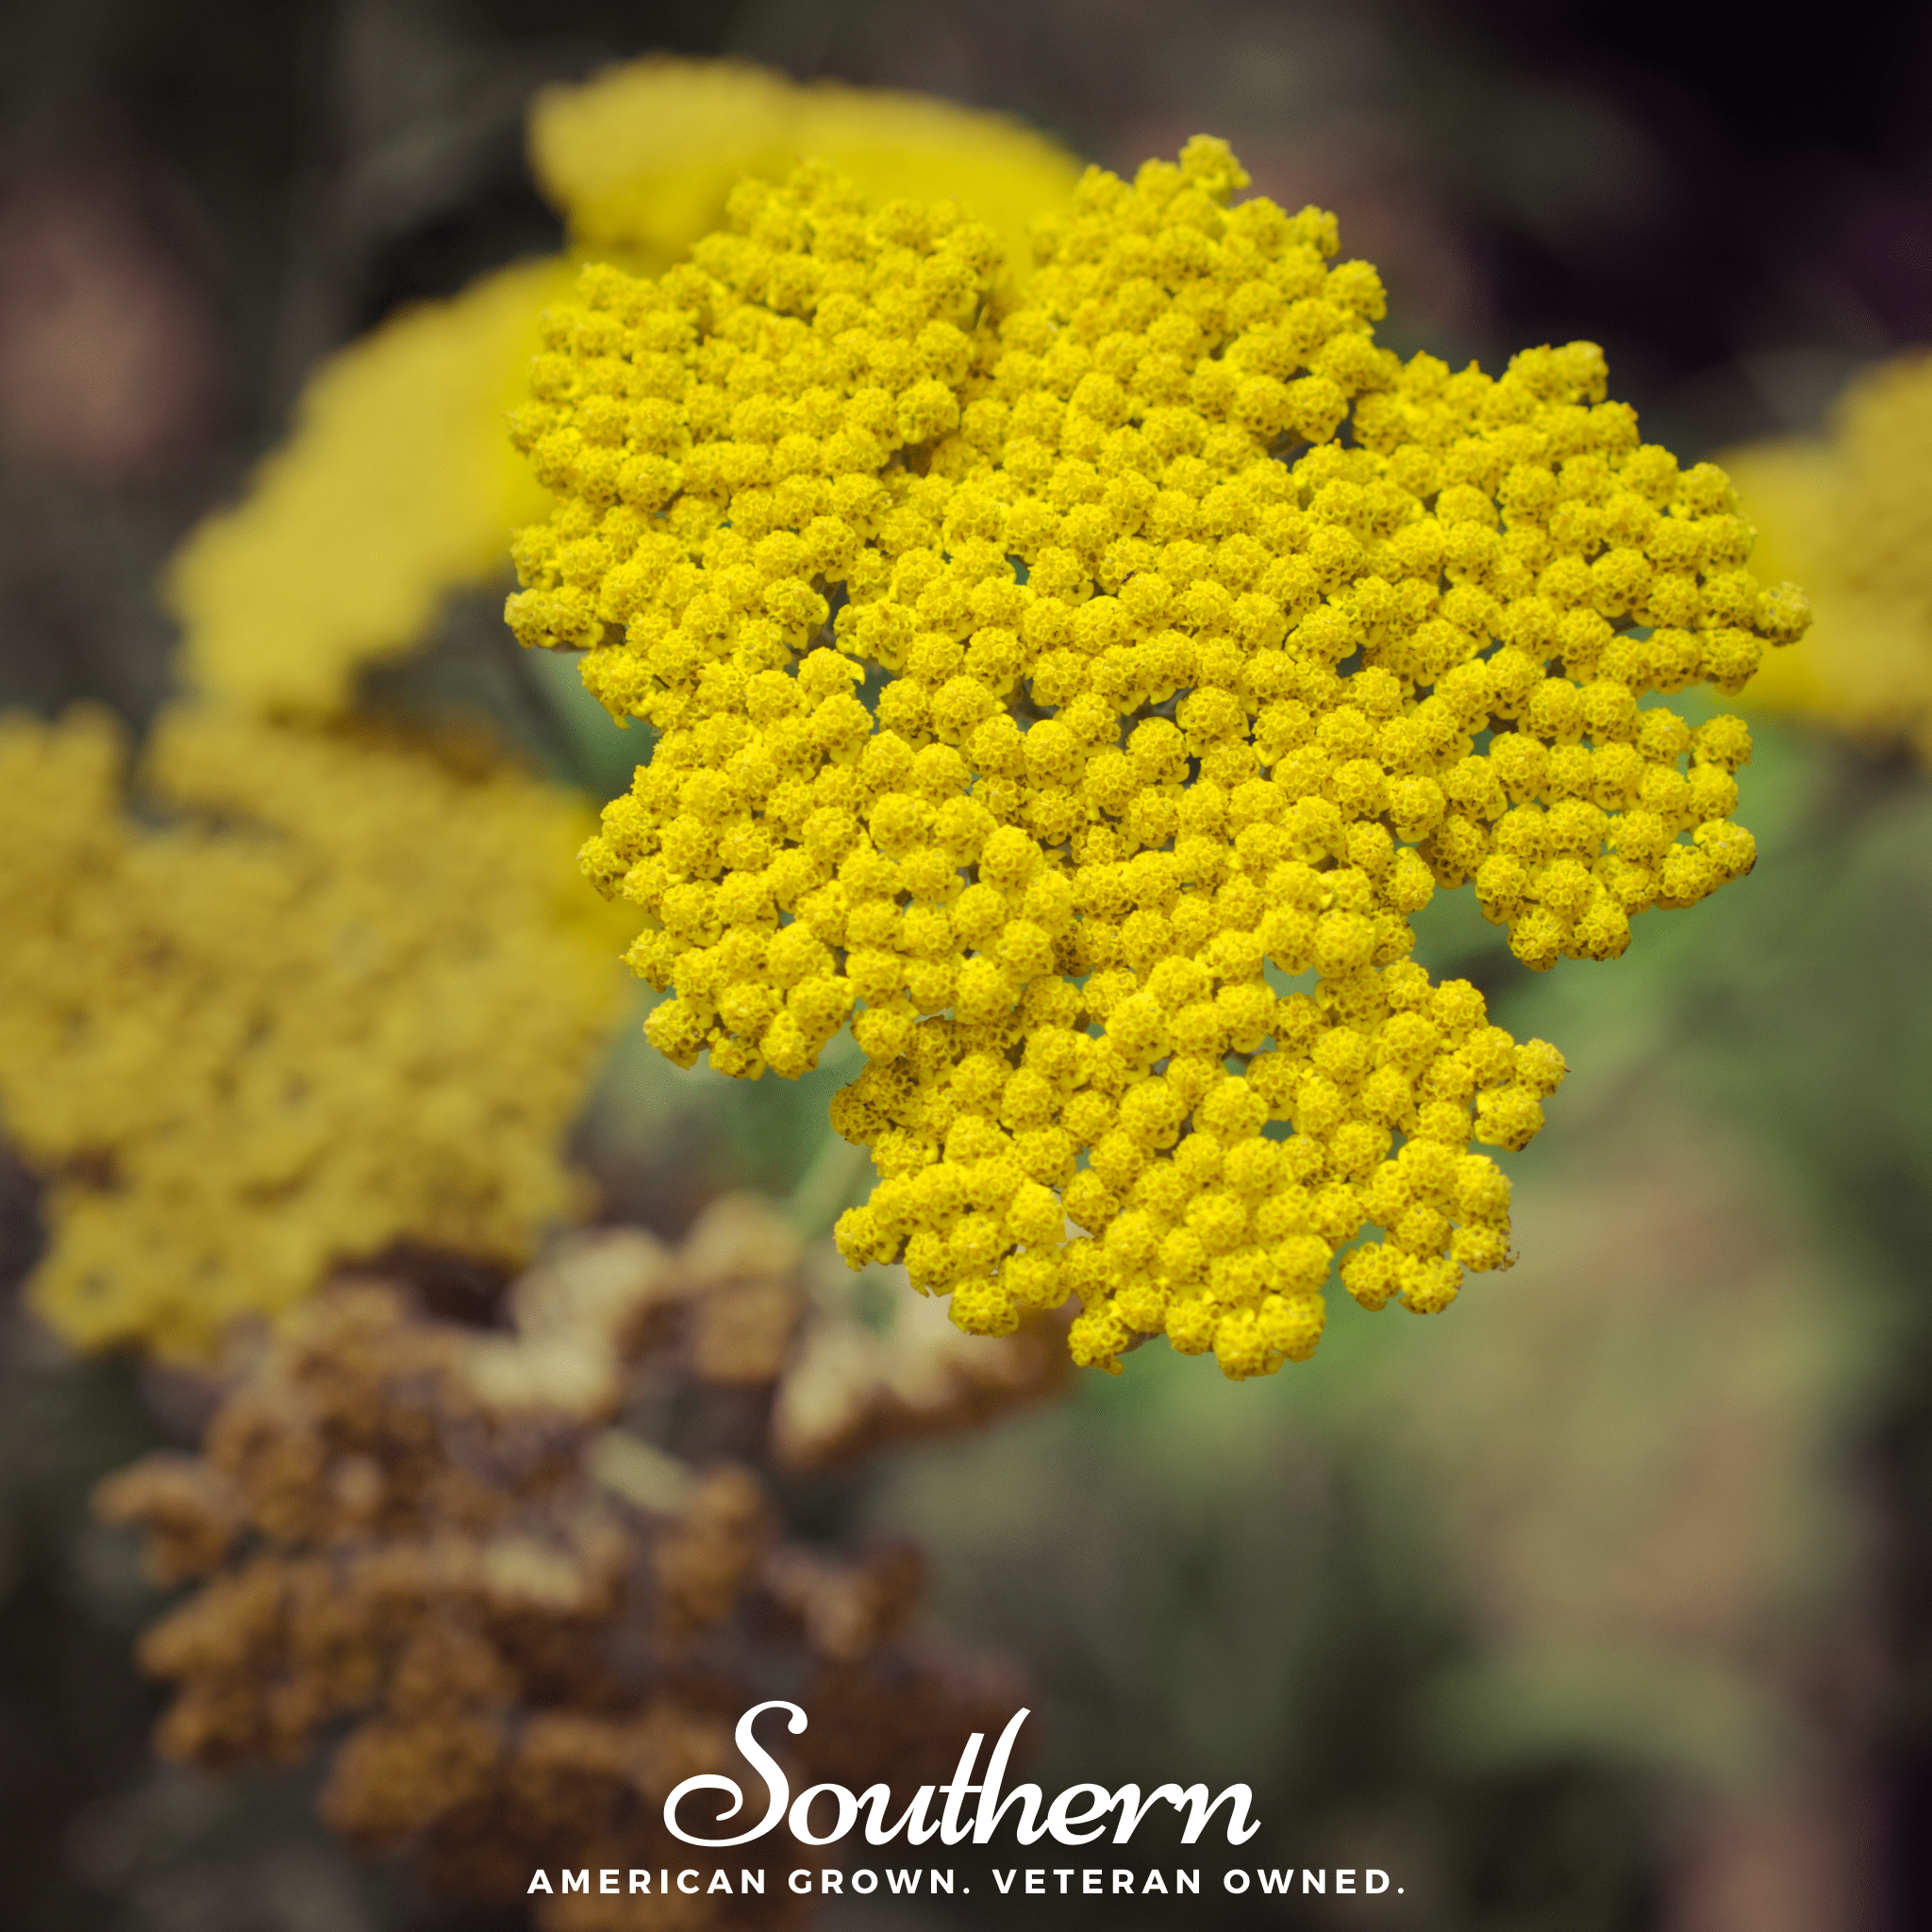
[{"x": 1077, "y": 686}]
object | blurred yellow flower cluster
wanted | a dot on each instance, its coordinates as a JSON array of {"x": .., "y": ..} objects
[
  {"x": 1852, "y": 514},
  {"x": 1038, "y": 667},
  {"x": 337, "y": 1000},
  {"x": 396, "y": 463}
]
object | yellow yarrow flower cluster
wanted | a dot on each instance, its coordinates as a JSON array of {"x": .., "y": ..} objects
[
  {"x": 280, "y": 1030},
  {"x": 1037, "y": 671},
  {"x": 1852, "y": 513}
]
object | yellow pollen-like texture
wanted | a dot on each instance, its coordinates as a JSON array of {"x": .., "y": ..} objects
[
  {"x": 1077, "y": 687},
  {"x": 333, "y": 1002}
]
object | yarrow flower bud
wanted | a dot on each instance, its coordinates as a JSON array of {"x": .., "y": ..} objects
[{"x": 1037, "y": 670}]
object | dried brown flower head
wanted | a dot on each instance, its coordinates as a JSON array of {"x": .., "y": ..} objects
[{"x": 520, "y": 1582}]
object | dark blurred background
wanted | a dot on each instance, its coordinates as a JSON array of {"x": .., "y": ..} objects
[{"x": 1608, "y": 1605}]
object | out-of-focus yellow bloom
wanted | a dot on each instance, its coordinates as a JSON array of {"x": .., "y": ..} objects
[
  {"x": 396, "y": 485},
  {"x": 1852, "y": 515},
  {"x": 394, "y": 490},
  {"x": 1038, "y": 670},
  {"x": 338, "y": 1001},
  {"x": 642, "y": 157}
]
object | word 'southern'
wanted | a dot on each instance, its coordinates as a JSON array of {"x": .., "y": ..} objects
[{"x": 1076, "y": 1816}]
